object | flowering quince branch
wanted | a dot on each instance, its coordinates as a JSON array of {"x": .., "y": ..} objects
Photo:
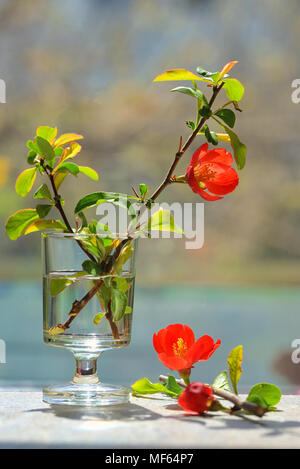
[
  {"x": 209, "y": 170},
  {"x": 197, "y": 391},
  {"x": 178, "y": 350}
]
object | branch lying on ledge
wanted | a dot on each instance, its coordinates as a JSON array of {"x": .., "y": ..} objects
[{"x": 239, "y": 404}]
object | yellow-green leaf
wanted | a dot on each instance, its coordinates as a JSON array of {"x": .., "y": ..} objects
[
  {"x": 43, "y": 193},
  {"x": 89, "y": 172},
  {"x": 234, "y": 89},
  {"x": 57, "y": 285},
  {"x": 226, "y": 68},
  {"x": 25, "y": 181},
  {"x": 221, "y": 381},
  {"x": 48, "y": 133},
  {"x": 144, "y": 386},
  {"x": 17, "y": 223},
  {"x": 179, "y": 74},
  {"x": 42, "y": 225},
  {"x": 239, "y": 148},
  {"x": 162, "y": 220},
  {"x": 67, "y": 138},
  {"x": 59, "y": 178},
  {"x": 98, "y": 318},
  {"x": 234, "y": 361},
  {"x": 125, "y": 254},
  {"x": 69, "y": 152},
  {"x": 223, "y": 137}
]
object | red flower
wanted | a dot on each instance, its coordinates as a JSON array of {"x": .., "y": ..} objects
[
  {"x": 177, "y": 349},
  {"x": 211, "y": 170},
  {"x": 197, "y": 397}
]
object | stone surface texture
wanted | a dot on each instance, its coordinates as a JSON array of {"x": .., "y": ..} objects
[{"x": 27, "y": 422}]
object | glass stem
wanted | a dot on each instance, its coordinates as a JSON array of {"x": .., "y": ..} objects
[{"x": 86, "y": 370}]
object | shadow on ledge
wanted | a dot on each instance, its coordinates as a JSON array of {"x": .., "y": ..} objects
[{"x": 125, "y": 413}]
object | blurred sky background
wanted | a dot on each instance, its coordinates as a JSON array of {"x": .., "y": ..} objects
[{"x": 87, "y": 66}]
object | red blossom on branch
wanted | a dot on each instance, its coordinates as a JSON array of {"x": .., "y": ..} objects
[
  {"x": 211, "y": 170},
  {"x": 178, "y": 350},
  {"x": 197, "y": 397}
]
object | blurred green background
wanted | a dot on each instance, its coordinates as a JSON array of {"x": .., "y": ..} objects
[{"x": 87, "y": 66}]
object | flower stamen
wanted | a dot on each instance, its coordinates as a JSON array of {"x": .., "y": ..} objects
[
  {"x": 204, "y": 172},
  {"x": 180, "y": 348}
]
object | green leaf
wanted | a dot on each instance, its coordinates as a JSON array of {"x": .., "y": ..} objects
[
  {"x": 239, "y": 149},
  {"x": 128, "y": 310},
  {"x": 43, "y": 210},
  {"x": 48, "y": 133},
  {"x": 96, "y": 198},
  {"x": 58, "y": 151},
  {"x": 163, "y": 220},
  {"x": 45, "y": 150},
  {"x": 234, "y": 363},
  {"x": 31, "y": 155},
  {"x": 205, "y": 111},
  {"x": 173, "y": 386},
  {"x": 67, "y": 167},
  {"x": 104, "y": 295},
  {"x": 222, "y": 382},
  {"x": 227, "y": 115},
  {"x": 257, "y": 400},
  {"x": 84, "y": 222},
  {"x": 268, "y": 393},
  {"x": 124, "y": 256},
  {"x": 32, "y": 146},
  {"x": 211, "y": 136},
  {"x": 43, "y": 225},
  {"x": 25, "y": 181},
  {"x": 143, "y": 190},
  {"x": 57, "y": 285},
  {"x": 206, "y": 74},
  {"x": 191, "y": 125},
  {"x": 89, "y": 172},
  {"x": 43, "y": 193},
  {"x": 180, "y": 74},
  {"x": 144, "y": 386},
  {"x": 91, "y": 267},
  {"x": 234, "y": 89},
  {"x": 191, "y": 92},
  {"x": 118, "y": 303},
  {"x": 17, "y": 223},
  {"x": 120, "y": 283},
  {"x": 98, "y": 318}
]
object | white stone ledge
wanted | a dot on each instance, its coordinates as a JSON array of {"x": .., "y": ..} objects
[{"x": 26, "y": 422}]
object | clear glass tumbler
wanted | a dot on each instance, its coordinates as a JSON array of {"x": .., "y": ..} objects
[{"x": 87, "y": 309}]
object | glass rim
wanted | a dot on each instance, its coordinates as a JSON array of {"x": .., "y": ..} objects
[{"x": 104, "y": 234}]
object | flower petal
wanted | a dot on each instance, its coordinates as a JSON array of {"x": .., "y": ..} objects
[
  {"x": 191, "y": 180},
  {"x": 159, "y": 340},
  {"x": 217, "y": 155},
  {"x": 203, "y": 348},
  {"x": 206, "y": 196},
  {"x": 176, "y": 331},
  {"x": 172, "y": 362},
  {"x": 224, "y": 181},
  {"x": 198, "y": 154}
]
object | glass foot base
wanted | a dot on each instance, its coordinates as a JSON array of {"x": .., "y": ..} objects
[{"x": 84, "y": 394}]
